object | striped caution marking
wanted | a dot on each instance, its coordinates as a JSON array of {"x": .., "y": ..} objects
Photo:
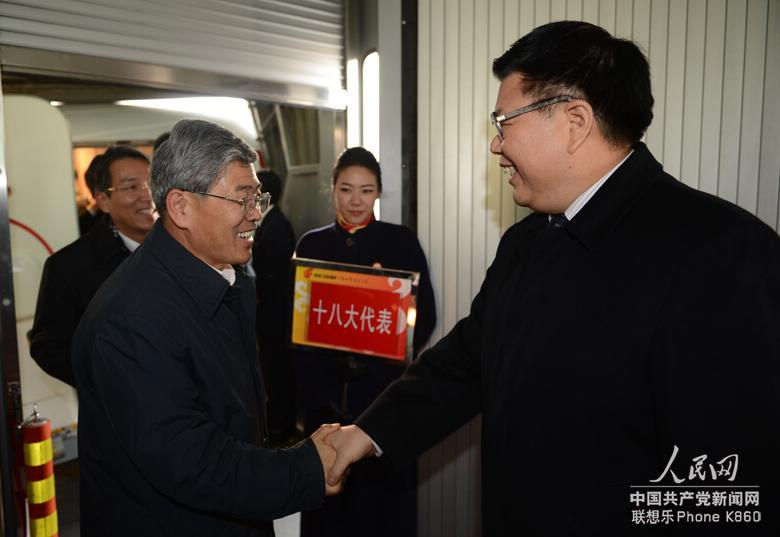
[{"x": 39, "y": 474}]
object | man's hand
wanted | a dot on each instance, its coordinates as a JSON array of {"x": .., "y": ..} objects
[
  {"x": 327, "y": 454},
  {"x": 351, "y": 445}
]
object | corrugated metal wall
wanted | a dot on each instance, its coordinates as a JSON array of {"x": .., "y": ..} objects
[
  {"x": 716, "y": 78},
  {"x": 296, "y": 41}
]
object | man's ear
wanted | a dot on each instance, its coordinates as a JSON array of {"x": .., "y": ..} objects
[
  {"x": 581, "y": 123},
  {"x": 103, "y": 202},
  {"x": 178, "y": 207}
]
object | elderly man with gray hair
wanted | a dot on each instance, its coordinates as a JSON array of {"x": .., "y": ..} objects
[{"x": 172, "y": 430}]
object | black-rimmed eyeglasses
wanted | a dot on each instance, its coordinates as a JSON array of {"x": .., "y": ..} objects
[{"x": 497, "y": 120}]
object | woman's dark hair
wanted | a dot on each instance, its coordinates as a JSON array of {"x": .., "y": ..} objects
[
  {"x": 358, "y": 156},
  {"x": 583, "y": 60}
]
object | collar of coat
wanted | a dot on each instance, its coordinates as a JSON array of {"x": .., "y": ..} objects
[
  {"x": 105, "y": 244},
  {"x": 613, "y": 200},
  {"x": 205, "y": 285}
]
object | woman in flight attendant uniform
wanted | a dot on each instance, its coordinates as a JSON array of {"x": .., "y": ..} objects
[{"x": 332, "y": 386}]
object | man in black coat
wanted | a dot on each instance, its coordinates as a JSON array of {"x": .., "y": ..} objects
[
  {"x": 624, "y": 349},
  {"x": 172, "y": 433},
  {"x": 273, "y": 247},
  {"x": 119, "y": 181}
]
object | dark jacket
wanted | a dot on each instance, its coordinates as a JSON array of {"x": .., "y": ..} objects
[
  {"x": 171, "y": 425},
  {"x": 271, "y": 252},
  {"x": 70, "y": 278},
  {"x": 651, "y": 320}
]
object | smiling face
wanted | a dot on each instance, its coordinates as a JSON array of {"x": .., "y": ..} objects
[
  {"x": 533, "y": 151},
  {"x": 219, "y": 233},
  {"x": 130, "y": 202},
  {"x": 354, "y": 194}
]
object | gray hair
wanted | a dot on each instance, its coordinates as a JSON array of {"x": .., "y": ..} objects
[{"x": 194, "y": 158}]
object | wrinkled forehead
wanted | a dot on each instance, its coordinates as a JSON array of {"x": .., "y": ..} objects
[{"x": 239, "y": 177}]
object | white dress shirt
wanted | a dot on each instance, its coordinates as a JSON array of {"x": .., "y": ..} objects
[{"x": 585, "y": 197}]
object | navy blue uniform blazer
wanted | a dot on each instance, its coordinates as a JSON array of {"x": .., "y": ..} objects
[
  {"x": 651, "y": 321},
  {"x": 320, "y": 371},
  {"x": 171, "y": 424},
  {"x": 375, "y": 501}
]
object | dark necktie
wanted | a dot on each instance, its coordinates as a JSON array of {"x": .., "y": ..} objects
[{"x": 557, "y": 220}]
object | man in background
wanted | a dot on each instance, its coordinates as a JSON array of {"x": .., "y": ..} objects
[
  {"x": 90, "y": 214},
  {"x": 119, "y": 182},
  {"x": 273, "y": 247}
]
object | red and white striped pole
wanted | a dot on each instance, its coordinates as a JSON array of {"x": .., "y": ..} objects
[{"x": 39, "y": 473}]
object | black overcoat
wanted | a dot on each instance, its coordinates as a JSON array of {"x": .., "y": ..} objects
[
  {"x": 271, "y": 252},
  {"x": 651, "y": 321},
  {"x": 171, "y": 424},
  {"x": 70, "y": 279}
]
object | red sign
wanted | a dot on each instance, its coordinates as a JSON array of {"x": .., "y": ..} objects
[
  {"x": 357, "y": 309},
  {"x": 357, "y": 318}
]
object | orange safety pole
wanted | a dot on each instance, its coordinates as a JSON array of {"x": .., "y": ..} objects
[{"x": 39, "y": 472}]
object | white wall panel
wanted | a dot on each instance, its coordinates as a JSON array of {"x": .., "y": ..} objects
[
  {"x": 496, "y": 45},
  {"x": 607, "y": 15},
  {"x": 691, "y": 111},
  {"x": 450, "y": 162},
  {"x": 657, "y": 55},
  {"x": 508, "y": 214},
  {"x": 769, "y": 161},
  {"x": 466, "y": 127},
  {"x": 574, "y": 9},
  {"x": 731, "y": 105},
  {"x": 525, "y": 25},
  {"x": 481, "y": 159},
  {"x": 712, "y": 101},
  {"x": 557, "y": 10},
  {"x": 752, "y": 104},
  {"x": 640, "y": 25},
  {"x": 590, "y": 11},
  {"x": 675, "y": 87},
  {"x": 715, "y": 68},
  {"x": 624, "y": 19}
]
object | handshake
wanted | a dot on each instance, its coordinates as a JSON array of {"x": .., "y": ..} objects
[{"x": 339, "y": 447}]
